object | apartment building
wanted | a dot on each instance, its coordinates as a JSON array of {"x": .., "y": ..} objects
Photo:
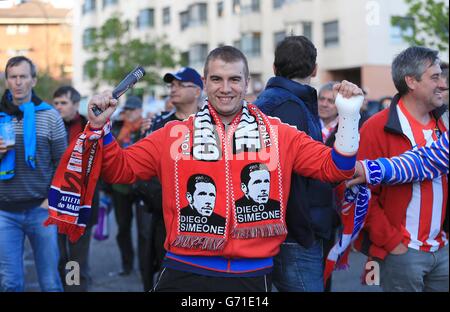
[
  {"x": 354, "y": 38},
  {"x": 39, "y": 31}
]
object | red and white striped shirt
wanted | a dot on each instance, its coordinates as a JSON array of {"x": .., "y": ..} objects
[
  {"x": 327, "y": 130},
  {"x": 422, "y": 225}
]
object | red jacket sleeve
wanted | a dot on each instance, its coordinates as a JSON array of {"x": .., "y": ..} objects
[
  {"x": 381, "y": 232},
  {"x": 140, "y": 161}
]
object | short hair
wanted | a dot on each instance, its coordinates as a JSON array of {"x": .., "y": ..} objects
[
  {"x": 295, "y": 57},
  {"x": 413, "y": 61},
  {"x": 16, "y": 60},
  {"x": 73, "y": 94},
  {"x": 327, "y": 87},
  {"x": 245, "y": 173},
  {"x": 198, "y": 178},
  {"x": 227, "y": 54}
]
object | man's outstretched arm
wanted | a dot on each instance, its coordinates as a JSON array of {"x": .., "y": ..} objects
[{"x": 425, "y": 163}]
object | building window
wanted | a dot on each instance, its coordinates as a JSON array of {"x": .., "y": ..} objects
[
  {"x": 331, "y": 33},
  {"x": 145, "y": 18},
  {"x": 220, "y": 9},
  {"x": 108, "y": 3},
  {"x": 198, "y": 14},
  {"x": 278, "y": 3},
  {"x": 278, "y": 37},
  {"x": 236, "y": 6},
  {"x": 251, "y": 44},
  {"x": 307, "y": 30},
  {"x": 401, "y": 26},
  {"x": 166, "y": 16},
  {"x": 198, "y": 54},
  {"x": 109, "y": 66},
  {"x": 88, "y": 37},
  {"x": 12, "y": 30},
  {"x": 253, "y": 6},
  {"x": 184, "y": 20},
  {"x": 88, "y": 6}
]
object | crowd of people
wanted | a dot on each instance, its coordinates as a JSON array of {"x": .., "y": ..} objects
[{"x": 230, "y": 195}]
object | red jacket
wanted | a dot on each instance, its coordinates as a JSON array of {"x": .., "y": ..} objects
[
  {"x": 151, "y": 157},
  {"x": 381, "y": 136}
]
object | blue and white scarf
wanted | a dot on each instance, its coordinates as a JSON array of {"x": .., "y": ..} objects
[{"x": 8, "y": 162}]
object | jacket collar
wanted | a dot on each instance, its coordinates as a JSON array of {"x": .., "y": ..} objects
[
  {"x": 306, "y": 93},
  {"x": 393, "y": 122}
]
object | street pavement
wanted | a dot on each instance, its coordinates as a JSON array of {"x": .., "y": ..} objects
[{"x": 105, "y": 263}]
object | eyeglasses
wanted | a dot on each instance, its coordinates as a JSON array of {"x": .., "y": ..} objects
[
  {"x": 329, "y": 100},
  {"x": 180, "y": 85}
]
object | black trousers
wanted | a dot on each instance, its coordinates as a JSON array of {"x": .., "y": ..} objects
[
  {"x": 123, "y": 211},
  {"x": 178, "y": 281},
  {"x": 78, "y": 252}
]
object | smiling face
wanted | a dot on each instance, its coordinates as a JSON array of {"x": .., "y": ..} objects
[
  {"x": 226, "y": 85},
  {"x": 20, "y": 82},
  {"x": 430, "y": 89}
]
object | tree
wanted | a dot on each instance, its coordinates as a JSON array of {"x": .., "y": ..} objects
[
  {"x": 46, "y": 85},
  {"x": 115, "y": 53},
  {"x": 428, "y": 20}
]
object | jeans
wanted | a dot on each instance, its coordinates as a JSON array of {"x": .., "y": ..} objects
[
  {"x": 14, "y": 226},
  {"x": 415, "y": 271},
  {"x": 299, "y": 269}
]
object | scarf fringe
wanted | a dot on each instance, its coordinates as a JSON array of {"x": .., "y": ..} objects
[
  {"x": 265, "y": 230},
  {"x": 205, "y": 243},
  {"x": 73, "y": 231}
]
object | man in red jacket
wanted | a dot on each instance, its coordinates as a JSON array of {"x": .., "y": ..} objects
[
  {"x": 404, "y": 225},
  {"x": 226, "y": 135}
]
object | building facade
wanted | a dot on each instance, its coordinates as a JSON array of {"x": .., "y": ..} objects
[
  {"x": 39, "y": 31},
  {"x": 354, "y": 38}
]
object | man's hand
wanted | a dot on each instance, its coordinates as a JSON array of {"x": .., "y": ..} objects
[
  {"x": 146, "y": 124},
  {"x": 104, "y": 102},
  {"x": 359, "y": 177},
  {"x": 399, "y": 250},
  {"x": 346, "y": 89},
  {"x": 349, "y": 98}
]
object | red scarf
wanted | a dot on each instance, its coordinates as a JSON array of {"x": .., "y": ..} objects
[
  {"x": 228, "y": 176},
  {"x": 72, "y": 188}
]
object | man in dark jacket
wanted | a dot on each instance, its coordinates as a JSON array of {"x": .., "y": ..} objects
[
  {"x": 66, "y": 100},
  {"x": 288, "y": 96}
]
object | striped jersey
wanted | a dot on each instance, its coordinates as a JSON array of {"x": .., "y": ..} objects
[
  {"x": 422, "y": 224},
  {"x": 425, "y": 163},
  {"x": 28, "y": 188}
]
